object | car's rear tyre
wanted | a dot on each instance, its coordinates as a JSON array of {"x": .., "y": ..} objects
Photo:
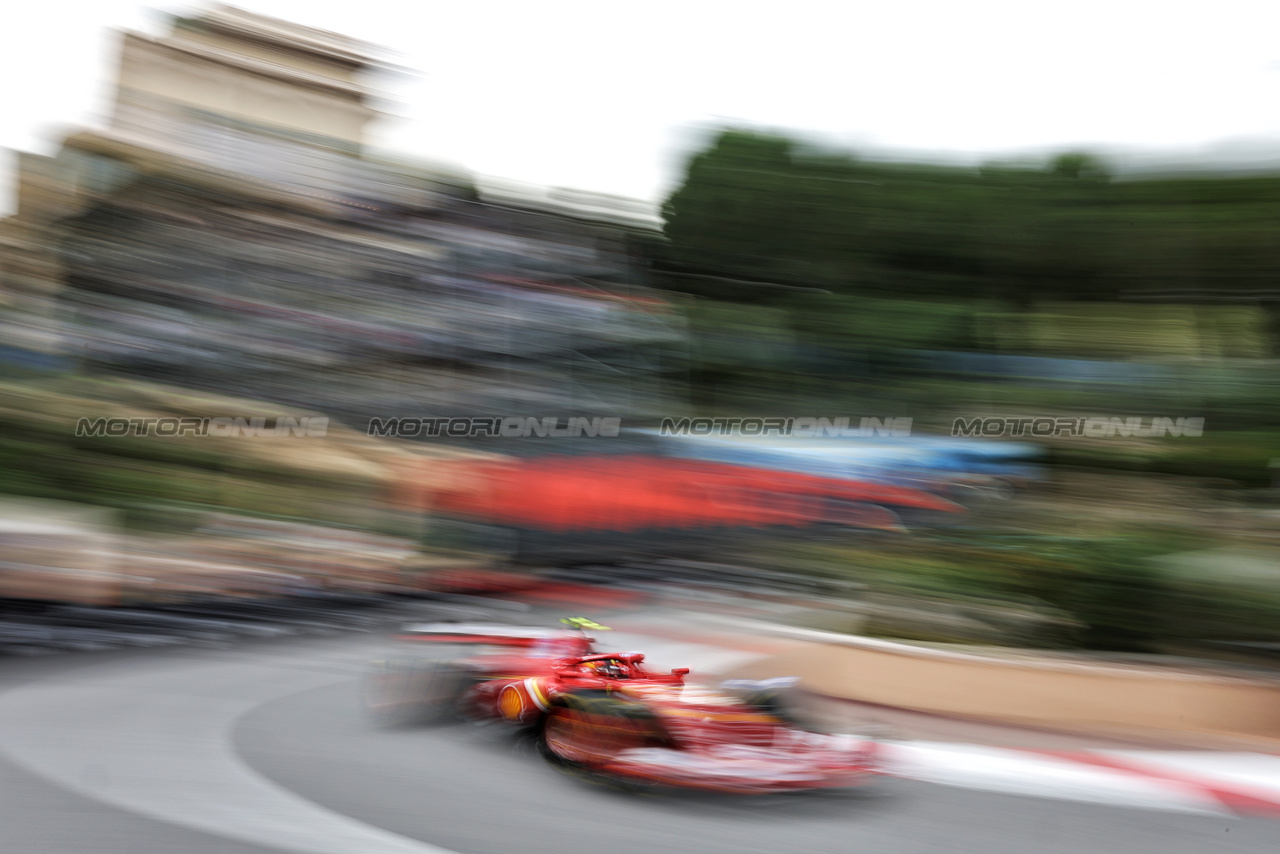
[
  {"x": 585, "y": 729},
  {"x": 604, "y": 711},
  {"x": 405, "y": 692}
]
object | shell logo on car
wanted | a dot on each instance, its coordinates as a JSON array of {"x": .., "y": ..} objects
[
  {"x": 511, "y": 703},
  {"x": 520, "y": 701}
]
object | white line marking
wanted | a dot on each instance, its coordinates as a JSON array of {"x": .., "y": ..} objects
[
  {"x": 157, "y": 742},
  {"x": 1014, "y": 772},
  {"x": 1256, "y": 774}
]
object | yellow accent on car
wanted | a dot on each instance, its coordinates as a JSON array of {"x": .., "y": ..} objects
[
  {"x": 536, "y": 694},
  {"x": 584, "y": 623}
]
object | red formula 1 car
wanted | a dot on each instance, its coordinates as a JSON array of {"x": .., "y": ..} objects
[{"x": 604, "y": 714}]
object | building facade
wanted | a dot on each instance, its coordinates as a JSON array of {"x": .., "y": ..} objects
[{"x": 230, "y": 230}]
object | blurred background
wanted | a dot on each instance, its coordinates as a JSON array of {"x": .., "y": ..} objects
[{"x": 226, "y": 243}]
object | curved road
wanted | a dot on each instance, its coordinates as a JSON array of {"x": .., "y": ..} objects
[{"x": 265, "y": 749}]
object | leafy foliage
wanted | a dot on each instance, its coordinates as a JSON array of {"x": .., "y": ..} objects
[{"x": 760, "y": 215}]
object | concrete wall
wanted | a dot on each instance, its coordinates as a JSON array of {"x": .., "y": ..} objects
[{"x": 1042, "y": 692}]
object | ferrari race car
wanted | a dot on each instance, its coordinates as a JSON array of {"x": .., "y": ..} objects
[{"x": 605, "y": 715}]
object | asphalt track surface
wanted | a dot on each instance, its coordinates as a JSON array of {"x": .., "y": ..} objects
[{"x": 265, "y": 748}]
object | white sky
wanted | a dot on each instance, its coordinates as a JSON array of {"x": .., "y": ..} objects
[{"x": 610, "y": 96}]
